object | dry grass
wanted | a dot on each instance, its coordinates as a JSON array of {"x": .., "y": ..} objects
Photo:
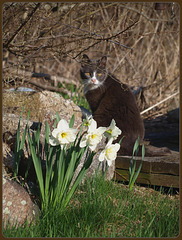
[{"x": 142, "y": 44}]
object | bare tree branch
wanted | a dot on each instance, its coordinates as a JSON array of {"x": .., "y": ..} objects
[
  {"x": 46, "y": 87},
  {"x": 22, "y": 25}
]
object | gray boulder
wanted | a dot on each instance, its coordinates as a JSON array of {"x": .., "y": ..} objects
[{"x": 17, "y": 204}]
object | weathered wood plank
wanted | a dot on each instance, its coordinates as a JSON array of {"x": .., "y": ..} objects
[
  {"x": 149, "y": 178},
  {"x": 162, "y": 165},
  {"x": 159, "y": 171}
]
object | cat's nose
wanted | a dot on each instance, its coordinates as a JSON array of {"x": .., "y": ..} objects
[{"x": 93, "y": 80}]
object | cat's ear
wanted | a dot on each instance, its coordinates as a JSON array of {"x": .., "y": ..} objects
[
  {"x": 103, "y": 62},
  {"x": 85, "y": 59}
]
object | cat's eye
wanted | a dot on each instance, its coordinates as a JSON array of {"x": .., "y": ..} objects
[
  {"x": 87, "y": 73},
  {"x": 99, "y": 74}
]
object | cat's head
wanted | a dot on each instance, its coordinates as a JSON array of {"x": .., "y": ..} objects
[{"x": 93, "y": 73}]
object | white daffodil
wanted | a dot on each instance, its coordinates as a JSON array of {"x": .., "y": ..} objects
[
  {"x": 93, "y": 136},
  {"x": 113, "y": 131},
  {"x": 110, "y": 152},
  {"x": 88, "y": 121},
  {"x": 62, "y": 134}
]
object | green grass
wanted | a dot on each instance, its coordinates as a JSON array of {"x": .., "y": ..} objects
[{"x": 108, "y": 209}]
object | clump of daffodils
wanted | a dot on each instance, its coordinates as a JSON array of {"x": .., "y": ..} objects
[{"x": 63, "y": 135}]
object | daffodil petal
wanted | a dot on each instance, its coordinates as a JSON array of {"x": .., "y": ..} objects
[
  {"x": 55, "y": 132},
  {"x": 71, "y": 134},
  {"x": 116, "y": 131},
  {"x": 92, "y": 126},
  {"x": 92, "y": 147},
  {"x": 62, "y": 125},
  {"x": 117, "y": 147},
  {"x": 101, "y": 130},
  {"x": 102, "y": 156},
  {"x": 74, "y": 130},
  {"x": 109, "y": 162},
  {"x": 113, "y": 124},
  {"x": 83, "y": 142}
]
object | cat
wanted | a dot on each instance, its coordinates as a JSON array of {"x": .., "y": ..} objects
[{"x": 109, "y": 99}]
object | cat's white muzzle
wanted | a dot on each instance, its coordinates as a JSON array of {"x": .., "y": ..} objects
[
  {"x": 94, "y": 81},
  {"x": 91, "y": 85}
]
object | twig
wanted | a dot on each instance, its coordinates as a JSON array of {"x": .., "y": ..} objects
[
  {"x": 145, "y": 16},
  {"x": 97, "y": 35},
  {"x": 105, "y": 39},
  {"x": 26, "y": 74},
  {"x": 22, "y": 25},
  {"x": 91, "y": 13},
  {"x": 46, "y": 87},
  {"x": 148, "y": 109},
  {"x": 58, "y": 23},
  {"x": 117, "y": 34},
  {"x": 87, "y": 48}
]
